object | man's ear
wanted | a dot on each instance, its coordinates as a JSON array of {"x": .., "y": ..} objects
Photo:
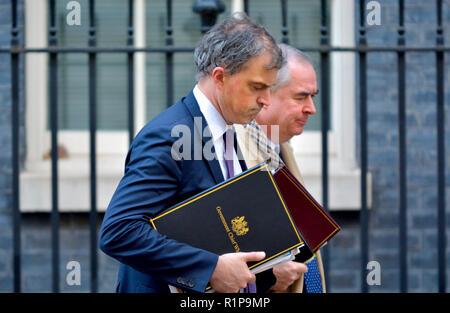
[{"x": 218, "y": 75}]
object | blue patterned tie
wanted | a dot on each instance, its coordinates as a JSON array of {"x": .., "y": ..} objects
[
  {"x": 228, "y": 140},
  {"x": 313, "y": 283}
]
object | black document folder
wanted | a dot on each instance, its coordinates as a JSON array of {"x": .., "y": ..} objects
[{"x": 245, "y": 213}]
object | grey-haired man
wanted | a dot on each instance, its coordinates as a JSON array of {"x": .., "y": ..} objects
[{"x": 291, "y": 105}]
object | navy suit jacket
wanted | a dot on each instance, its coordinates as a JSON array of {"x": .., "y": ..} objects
[{"x": 154, "y": 181}]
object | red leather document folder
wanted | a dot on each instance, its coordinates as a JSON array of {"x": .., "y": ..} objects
[{"x": 314, "y": 223}]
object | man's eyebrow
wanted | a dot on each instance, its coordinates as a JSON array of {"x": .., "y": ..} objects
[
  {"x": 306, "y": 93},
  {"x": 260, "y": 84}
]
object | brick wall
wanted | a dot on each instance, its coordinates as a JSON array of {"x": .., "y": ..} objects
[
  {"x": 5, "y": 145},
  {"x": 36, "y": 228},
  {"x": 74, "y": 246},
  {"x": 420, "y": 21}
]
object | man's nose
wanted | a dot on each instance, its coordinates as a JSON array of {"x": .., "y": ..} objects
[
  {"x": 310, "y": 108},
  {"x": 264, "y": 97}
]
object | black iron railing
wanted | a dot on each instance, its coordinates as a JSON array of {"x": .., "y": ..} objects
[{"x": 362, "y": 49}]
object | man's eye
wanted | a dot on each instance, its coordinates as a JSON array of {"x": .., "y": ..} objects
[{"x": 258, "y": 87}]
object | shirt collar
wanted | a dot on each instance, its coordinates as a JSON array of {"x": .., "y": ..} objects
[{"x": 214, "y": 119}]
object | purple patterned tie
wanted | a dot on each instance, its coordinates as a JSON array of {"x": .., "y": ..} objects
[{"x": 228, "y": 140}]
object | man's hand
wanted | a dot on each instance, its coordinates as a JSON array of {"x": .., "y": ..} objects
[
  {"x": 287, "y": 273},
  {"x": 232, "y": 272}
]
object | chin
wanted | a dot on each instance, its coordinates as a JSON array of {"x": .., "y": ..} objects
[{"x": 245, "y": 119}]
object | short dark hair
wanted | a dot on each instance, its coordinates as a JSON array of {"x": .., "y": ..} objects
[{"x": 232, "y": 43}]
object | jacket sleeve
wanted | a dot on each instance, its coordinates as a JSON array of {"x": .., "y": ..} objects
[{"x": 150, "y": 183}]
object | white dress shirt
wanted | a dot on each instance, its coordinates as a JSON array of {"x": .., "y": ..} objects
[{"x": 218, "y": 127}]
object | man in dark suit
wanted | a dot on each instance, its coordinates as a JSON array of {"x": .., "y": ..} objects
[{"x": 237, "y": 63}]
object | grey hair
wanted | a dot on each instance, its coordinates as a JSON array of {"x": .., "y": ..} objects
[
  {"x": 289, "y": 53},
  {"x": 231, "y": 43}
]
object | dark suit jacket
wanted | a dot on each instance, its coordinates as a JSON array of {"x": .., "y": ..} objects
[{"x": 154, "y": 181}]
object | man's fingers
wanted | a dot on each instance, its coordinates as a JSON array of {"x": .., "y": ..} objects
[
  {"x": 253, "y": 256},
  {"x": 253, "y": 279},
  {"x": 302, "y": 268}
]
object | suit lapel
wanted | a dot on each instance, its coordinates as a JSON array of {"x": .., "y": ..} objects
[
  {"x": 289, "y": 160},
  {"x": 200, "y": 125}
]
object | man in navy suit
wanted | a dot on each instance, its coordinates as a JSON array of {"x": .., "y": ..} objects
[{"x": 237, "y": 63}]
